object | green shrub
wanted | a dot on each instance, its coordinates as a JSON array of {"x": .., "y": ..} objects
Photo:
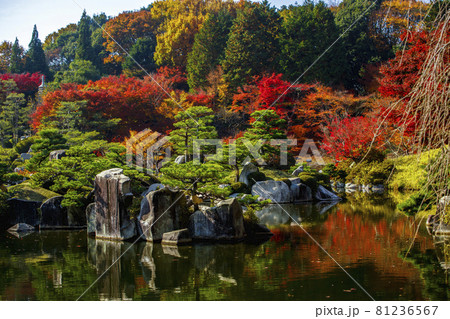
[
  {"x": 250, "y": 216},
  {"x": 240, "y": 188},
  {"x": 415, "y": 203},
  {"x": 23, "y": 146},
  {"x": 255, "y": 177},
  {"x": 309, "y": 180},
  {"x": 373, "y": 173},
  {"x": 334, "y": 173}
]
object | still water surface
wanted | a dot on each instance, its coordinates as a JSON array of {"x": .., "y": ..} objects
[{"x": 364, "y": 235}]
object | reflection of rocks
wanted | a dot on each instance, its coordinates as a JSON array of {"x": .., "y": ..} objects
[
  {"x": 274, "y": 214},
  {"x": 325, "y": 195},
  {"x": 116, "y": 283},
  {"x": 435, "y": 223},
  {"x": 21, "y": 230},
  {"x": 148, "y": 265},
  {"x": 442, "y": 245},
  {"x": 177, "y": 237},
  {"x": 112, "y": 197}
]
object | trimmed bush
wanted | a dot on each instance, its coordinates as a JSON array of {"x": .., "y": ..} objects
[
  {"x": 256, "y": 177},
  {"x": 240, "y": 188}
]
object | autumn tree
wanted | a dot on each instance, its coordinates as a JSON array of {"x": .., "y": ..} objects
[
  {"x": 252, "y": 46},
  {"x": 307, "y": 31},
  {"x": 16, "y": 61},
  {"x": 35, "y": 58},
  {"x": 5, "y": 56},
  {"x": 208, "y": 50}
]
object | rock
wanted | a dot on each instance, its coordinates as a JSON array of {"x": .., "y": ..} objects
[
  {"x": 298, "y": 170},
  {"x": 177, "y": 237},
  {"x": 25, "y": 156},
  {"x": 234, "y": 195},
  {"x": 90, "y": 218},
  {"x": 223, "y": 186},
  {"x": 276, "y": 191},
  {"x": 378, "y": 188},
  {"x": 22, "y": 211},
  {"x": 180, "y": 159},
  {"x": 301, "y": 192},
  {"x": 162, "y": 211},
  {"x": 152, "y": 188},
  {"x": 53, "y": 214},
  {"x": 112, "y": 197},
  {"x": 246, "y": 170},
  {"x": 295, "y": 180},
  {"x": 351, "y": 186},
  {"x": 56, "y": 155},
  {"x": 223, "y": 222},
  {"x": 324, "y": 194},
  {"x": 21, "y": 227}
]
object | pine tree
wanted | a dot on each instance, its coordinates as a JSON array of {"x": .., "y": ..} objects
[
  {"x": 209, "y": 48},
  {"x": 35, "y": 60},
  {"x": 15, "y": 115},
  {"x": 16, "y": 62},
  {"x": 252, "y": 48},
  {"x": 84, "y": 49}
]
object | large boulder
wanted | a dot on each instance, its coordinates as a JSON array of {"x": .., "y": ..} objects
[
  {"x": 300, "y": 192},
  {"x": 152, "y": 188},
  {"x": 112, "y": 197},
  {"x": 162, "y": 211},
  {"x": 442, "y": 205},
  {"x": 223, "y": 222},
  {"x": 53, "y": 215},
  {"x": 177, "y": 237},
  {"x": 247, "y": 170},
  {"x": 276, "y": 191},
  {"x": 58, "y": 154},
  {"x": 325, "y": 195},
  {"x": 22, "y": 211}
]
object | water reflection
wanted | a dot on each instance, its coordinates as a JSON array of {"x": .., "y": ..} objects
[{"x": 363, "y": 234}]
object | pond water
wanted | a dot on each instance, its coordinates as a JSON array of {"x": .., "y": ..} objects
[{"x": 363, "y": 234}]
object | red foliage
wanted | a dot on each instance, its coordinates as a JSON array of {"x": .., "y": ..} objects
[
  {"x": 201, "y": 99},
  {"x": 352, "y": 137},
  {"x": 174, "y": 76},
  {"x": 27, "y": 83},
  {"x": 132, "y": 100}
]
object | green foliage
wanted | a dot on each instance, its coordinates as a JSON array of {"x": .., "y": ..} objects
[
  {"x": 209, "y": 48},
  {"x": 31, "y": 192},
  {"x": 417, "y": 202},
  {"x": 84, "y": 50},
  {"x": 370, "y": 173},
  {"x": 23, "y": 146},
  {"x": 48, "y": 140},
  {"x": 196, "y": 178},
  {"x": 334, "y": 173},
  {"x": 142, "y": 53},
  {"x": 194, "y": 123},
  {"x": 7, "y": 160},
  {"x": 16, "y": 62},
  {"x": 309, "y": 180},
  {"x": 35, "y": 58},
  {"x": 253, "y": 205},
  {"x": 3, "y": 204},
  {"x": 14, "y": 117},
  {"x": 80, "y": 72},
  {"x": 308, "y": 30},
  {"x": 252, "y": 47},
  {"x": 255, "y": 177},
  {"x": 239, "y": 188}
]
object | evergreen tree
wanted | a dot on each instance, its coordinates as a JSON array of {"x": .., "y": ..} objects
[
  {"x": 252, "y": 47},
  {"x": 48, "y": 140},
  {"x": 308, "y": 30},
  {"x": 141, "y": 52},
  {"x": 208, "y": 50},
  {"x": 35, "y": 59},
  {"x": 194, "y": 123},
  {"x": 16, "y": 62},
  {"x": 15, "y": 115},
  {"x": 84, "y": 49}
]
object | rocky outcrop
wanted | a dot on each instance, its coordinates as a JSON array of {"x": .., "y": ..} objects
[
  {"x": 276, "y": 191},
  {"x": 53, "y": 215},
  {"x": 324, "y": 195},
  {"x": 247, "y": 170},
  {"x": 177, "y": 237},
  {"x": 300, "y": 192},
  {"x": 223, "y": 222},
  {"x": 22, "y": 211},
  {"x": 112, "y": 197},
  {"x": 162, "y": 211},
  {"x": 56, "y": 155},
  {"x": 180, "y": 159}
]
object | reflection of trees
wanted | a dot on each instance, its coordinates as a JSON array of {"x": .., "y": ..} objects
[{"x": 433, "y": 265}]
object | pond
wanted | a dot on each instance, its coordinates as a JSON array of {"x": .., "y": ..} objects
[{"x": 363, "y": 234}]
